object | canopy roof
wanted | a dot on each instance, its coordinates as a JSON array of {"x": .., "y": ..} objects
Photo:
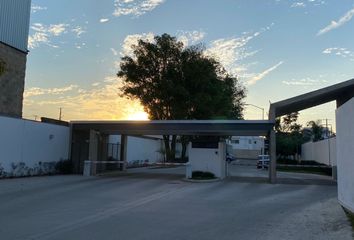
[
  {"x": 340, "y": 92},
  {"x": 190, "y": 127}
]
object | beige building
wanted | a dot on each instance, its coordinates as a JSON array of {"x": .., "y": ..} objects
[{"x": 14, "y": 28}]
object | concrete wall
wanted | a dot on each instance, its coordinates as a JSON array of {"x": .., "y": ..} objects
[
  {"x": 12, "y": 80},
  {"x": 324, "y": 151},
  {"x": 31, "y": 148},
  {"x": 345, "y": 154},
  {"x": 141, "y": 149}
]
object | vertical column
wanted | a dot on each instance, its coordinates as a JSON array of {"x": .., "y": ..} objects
[
  {"x": 104, "y": 147},
  {"x": 273, "y": 157},
  {"x": 93, "y": 151},
  {"x": 272, "y": 146},
  {"x": 103, "y": 152},
  {"x": 123, "y": 152}
]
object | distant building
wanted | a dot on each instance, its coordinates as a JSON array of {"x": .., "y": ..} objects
[
  {"x": 245, "y": 147},
  {"x": 14, "y": 28}
]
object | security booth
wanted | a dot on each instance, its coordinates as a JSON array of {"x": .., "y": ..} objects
[
  {"x": 207, "y": 154},
  {"x": 88, "y": 137}
]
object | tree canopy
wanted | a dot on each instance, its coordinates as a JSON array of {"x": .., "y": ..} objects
[
  {"x": 289, "y": 135},
  {"x": 175, "y": 82},
  {"x": 316, "y": 130}
]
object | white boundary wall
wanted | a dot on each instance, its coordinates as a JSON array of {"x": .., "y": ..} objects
[
  {"x": 324, "y": 151},
  {"x": 141, "y": 149},
  {"x": 31, "y": 148},
  {"x": 345, "y": 154}
]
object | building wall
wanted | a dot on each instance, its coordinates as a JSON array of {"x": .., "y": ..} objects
[
  {"x": 14, "y": 28},
  {"x": 246, "y": 147},
  {"x": 247, "y": 143},
  {"x": 345, "y": 154},
  {"x": 14, "y": 23},
  {"x": 31, "y": 148},
  {"x": 12, "y": 80},
  {"x": 324, "y": 151}
]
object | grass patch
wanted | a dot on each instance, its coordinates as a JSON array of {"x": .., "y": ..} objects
[
  {"x": 310, "y": 170},
  {"x": 199, "y": 175},
  {"x": 350, "y": 216},
  {"x": 64, "y": 167},
  {"x": 294, "y": 162}
]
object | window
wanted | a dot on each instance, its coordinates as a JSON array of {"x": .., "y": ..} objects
[{"x": 235, "y": 141}]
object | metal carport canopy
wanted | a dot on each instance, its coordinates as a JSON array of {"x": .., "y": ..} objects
[{"x": 178, "y": 127}]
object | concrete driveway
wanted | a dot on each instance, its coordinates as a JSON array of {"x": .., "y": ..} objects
[{"x": 156, "y": 204}]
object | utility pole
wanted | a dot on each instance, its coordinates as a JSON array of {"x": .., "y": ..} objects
[
  {"x": 327, "y": 127},
  {"x": 60, "y": 109},
  {"x": 328, "y": 141}
]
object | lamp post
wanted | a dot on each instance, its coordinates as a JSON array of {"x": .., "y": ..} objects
[{"x": 248, "y": 104}]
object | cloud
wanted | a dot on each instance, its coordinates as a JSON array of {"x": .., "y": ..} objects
[
  {"x": 298, "y": 4},
  {"x": 133, "y": 39},
  {"x": 44, "y": 33},
  {"x": 336, "y": 24},
  {"x": 36, "y": 39},
  {"x": 263, "y": 74},
  {"x": 304, "y": 4},
  {"x": 37, "y": 8},
  {"x": 135, "y": 8},
  {"x": 231, "y": 52},
  {"x": 57, "y": 29},
  {"x": 101, "y": 101},
  {"x": 305, "y": 82},
  {"x": 78, "y": 31},
  {"x": 36, "y": 91},
  {"x": 104, "y": 20},
  {"x": 190, "y": 37},
  {"x": 342, "y": 52},
  {"x": 114, "y": 52}
]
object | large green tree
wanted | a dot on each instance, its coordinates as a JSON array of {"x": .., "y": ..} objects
[
  {"x": 316, "y": 130},
  {"x": 289, "y": 135},
  {"x": 175, "y": 82}
]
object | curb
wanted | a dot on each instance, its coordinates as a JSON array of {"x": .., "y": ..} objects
[{"x": 202, "y": 181}]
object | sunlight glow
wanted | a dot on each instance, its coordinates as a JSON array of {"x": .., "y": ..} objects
[{"x": 141, "y": 115}]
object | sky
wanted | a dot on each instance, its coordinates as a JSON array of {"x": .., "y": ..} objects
[{"x": 277, "y": 48}]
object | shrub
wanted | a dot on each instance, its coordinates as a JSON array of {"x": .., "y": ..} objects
[
  {"x": 202, "y": 175},
  {"x": 64, "y": 167}
]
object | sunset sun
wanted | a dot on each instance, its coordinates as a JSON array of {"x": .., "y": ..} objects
[{"x": 139, "y": 115}]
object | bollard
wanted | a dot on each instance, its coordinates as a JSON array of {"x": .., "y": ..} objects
[
  {"x": 87, "y": 168},
  {"x": 188, "y": 170}
]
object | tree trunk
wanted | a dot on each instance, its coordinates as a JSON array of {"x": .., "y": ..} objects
[
  {"x": 170, "y": 147},
  {"x": 173, "y": 148},
  {"x": 184, "y": 142},
  {"x": 166, "y": 140}
]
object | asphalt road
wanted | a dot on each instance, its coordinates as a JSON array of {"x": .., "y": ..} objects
[{"x": 156, "y": 204}]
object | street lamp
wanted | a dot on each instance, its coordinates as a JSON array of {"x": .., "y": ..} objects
[{"x": 248, "y": 104}]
